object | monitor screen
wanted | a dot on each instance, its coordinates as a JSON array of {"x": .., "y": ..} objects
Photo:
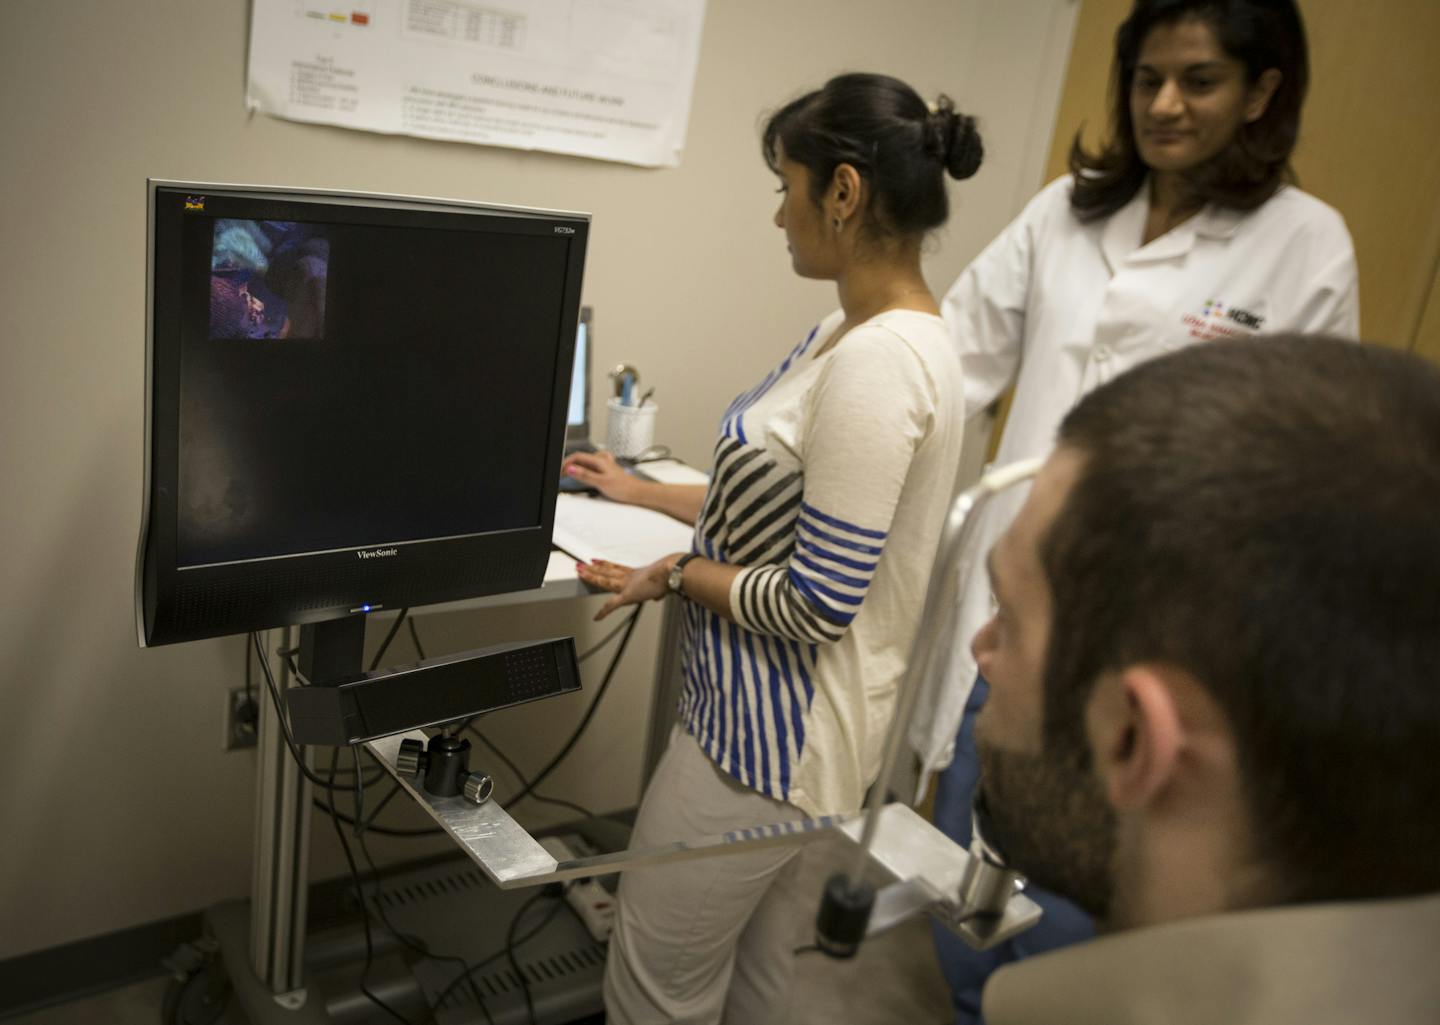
[
  {"x": 353, "y": 402},
  {"x": 580, "y": 378}
]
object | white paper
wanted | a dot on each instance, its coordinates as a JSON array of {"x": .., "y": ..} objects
[
  {"x": 560, "y": 568},
  {"x": 594, "y": 528},
  {"x": 609, "y": 79}
]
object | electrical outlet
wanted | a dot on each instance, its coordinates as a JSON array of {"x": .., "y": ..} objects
[{"x": 242, "y": 717}]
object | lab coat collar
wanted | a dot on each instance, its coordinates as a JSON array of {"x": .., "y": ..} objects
[{"x": 1120, "y": 239}]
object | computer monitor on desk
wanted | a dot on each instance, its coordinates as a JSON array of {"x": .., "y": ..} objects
[{"x": 354, "y": 403}]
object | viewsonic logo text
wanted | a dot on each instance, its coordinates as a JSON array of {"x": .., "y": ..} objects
[{"x": 377, "y": 553}]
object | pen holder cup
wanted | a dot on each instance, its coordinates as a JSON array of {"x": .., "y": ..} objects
[{"x": 630, "y": 430}]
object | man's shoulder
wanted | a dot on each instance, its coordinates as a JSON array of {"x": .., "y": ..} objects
[{"x": 1271, "y": 964}]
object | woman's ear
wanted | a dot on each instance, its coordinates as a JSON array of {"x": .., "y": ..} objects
[
  {"x": 1136, "y": 733},
  {"x": 845, "y": 192},
  {"x": 1261, "y": 93}
]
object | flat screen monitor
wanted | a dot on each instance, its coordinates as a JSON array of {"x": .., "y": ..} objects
[{"x": 353, "y": 402}]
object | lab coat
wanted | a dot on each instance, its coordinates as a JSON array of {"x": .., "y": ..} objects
[{"x": 1058, "y": 307}]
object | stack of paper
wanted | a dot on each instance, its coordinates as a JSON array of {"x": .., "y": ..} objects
[{"x": 594, "y": 528}]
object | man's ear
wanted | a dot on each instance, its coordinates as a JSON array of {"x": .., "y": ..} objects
[{"x": 1136, "y": 733}]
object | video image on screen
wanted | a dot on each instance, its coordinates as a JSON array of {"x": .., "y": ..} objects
[{"x": 268, "y": 280}]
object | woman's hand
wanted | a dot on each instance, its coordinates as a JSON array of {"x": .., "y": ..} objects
[
  {"x": 631, "y": 586},
  {"x": 600, "y": 471}
]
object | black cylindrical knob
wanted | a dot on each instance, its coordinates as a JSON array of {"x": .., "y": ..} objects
[
  {"x": 844, "y": 915},
  {"x": 446, "y": 765},
  {"x": 410, "y": 757}
]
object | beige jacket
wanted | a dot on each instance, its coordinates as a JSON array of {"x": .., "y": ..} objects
[{"x": 1311, "y": 965}]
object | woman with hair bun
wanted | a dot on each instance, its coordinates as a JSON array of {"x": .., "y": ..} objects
[
  {"x": 1184, "y": 227},
  {"x": 812, "y": 550}
]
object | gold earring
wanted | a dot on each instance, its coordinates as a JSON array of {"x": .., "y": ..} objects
[{"x": 839, "y": 225}]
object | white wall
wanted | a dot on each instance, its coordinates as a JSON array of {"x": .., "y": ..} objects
[{"x": 117, "y": 805}]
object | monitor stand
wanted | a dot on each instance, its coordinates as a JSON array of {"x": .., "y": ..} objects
[
  {"x": 260, "y": 949},
  {"x": 331, "y": 650}
]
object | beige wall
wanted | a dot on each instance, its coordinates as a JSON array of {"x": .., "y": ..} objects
[{"x": 117, "y": 804}]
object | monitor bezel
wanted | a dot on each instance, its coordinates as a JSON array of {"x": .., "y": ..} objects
[{"x": 423, "y": 571}]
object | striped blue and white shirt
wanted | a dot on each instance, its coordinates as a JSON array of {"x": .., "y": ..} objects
[{"x": 831, "y": 481}]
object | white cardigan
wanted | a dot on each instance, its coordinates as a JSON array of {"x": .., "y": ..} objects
[{"x": 830, "y": 485}]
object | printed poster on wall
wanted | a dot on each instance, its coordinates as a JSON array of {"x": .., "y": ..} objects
[{"x": 608, "y": 79}]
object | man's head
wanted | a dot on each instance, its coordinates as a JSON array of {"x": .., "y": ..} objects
[{"x": 1215, "y": 663}]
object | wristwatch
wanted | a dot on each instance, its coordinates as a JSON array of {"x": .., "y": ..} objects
[{"x": 677, "y": 573}]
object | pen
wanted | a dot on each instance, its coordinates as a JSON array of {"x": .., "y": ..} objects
[
  {"x": 620, "y": 375},
  {"x": 627, "y": 389}
]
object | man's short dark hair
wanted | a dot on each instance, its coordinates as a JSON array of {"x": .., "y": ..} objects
[{"x": 1265, "y": 515}]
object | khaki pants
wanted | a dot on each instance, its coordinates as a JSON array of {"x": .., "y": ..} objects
[{"x": 696, "y": 942}]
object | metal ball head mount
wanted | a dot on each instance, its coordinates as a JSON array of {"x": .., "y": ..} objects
[{"x": 445, "y": 766}]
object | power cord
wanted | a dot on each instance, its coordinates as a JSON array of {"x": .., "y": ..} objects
[
  {"x": 361, "y": 824},
  {"x": 520, "y": 776},
  {"x": 513, "y": 943},
  {"x": 305, "y": 770},
  {"x": 390, "y": 636},
  {"x": 589, "y": 713},
  {"x": 364, "y": 914},
  {"x": 411, "y": 943}
]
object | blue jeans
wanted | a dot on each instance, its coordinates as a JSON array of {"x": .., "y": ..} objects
[{"x": 1063, "y": 924}]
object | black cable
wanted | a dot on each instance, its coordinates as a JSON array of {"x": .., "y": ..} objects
[
  {"x": 485, "y": 962},
  {"x": 394, "y": 629},
  {"x": 359, "y": 890},
  {"x": 520, "y": 776},
  {"x": 602, "y": 641},
  {"x": 415, "y": 636},
  {"x": 285, "y": 727},
  {"x": 413, "y": 943},
  {"x": 394, "y": 789},
  {"x": 359, "y": 793},
  {"x": 589, "y": 712},
  {"x": 515, "y": 967}
]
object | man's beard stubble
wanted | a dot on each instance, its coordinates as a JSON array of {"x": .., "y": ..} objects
[{"x": 1049, "y": 820}]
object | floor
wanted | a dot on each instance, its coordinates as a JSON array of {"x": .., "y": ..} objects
[{"x": 894, "y": 978}]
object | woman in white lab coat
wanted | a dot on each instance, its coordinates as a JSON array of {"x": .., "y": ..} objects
[{"x": 1182, "y": 229}]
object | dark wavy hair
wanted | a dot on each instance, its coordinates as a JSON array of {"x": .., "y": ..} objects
[
  {"x": 882, "y": 128},
  {"x": 1261, "y": 515},
  {"x": 1262, "y": 34}
]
